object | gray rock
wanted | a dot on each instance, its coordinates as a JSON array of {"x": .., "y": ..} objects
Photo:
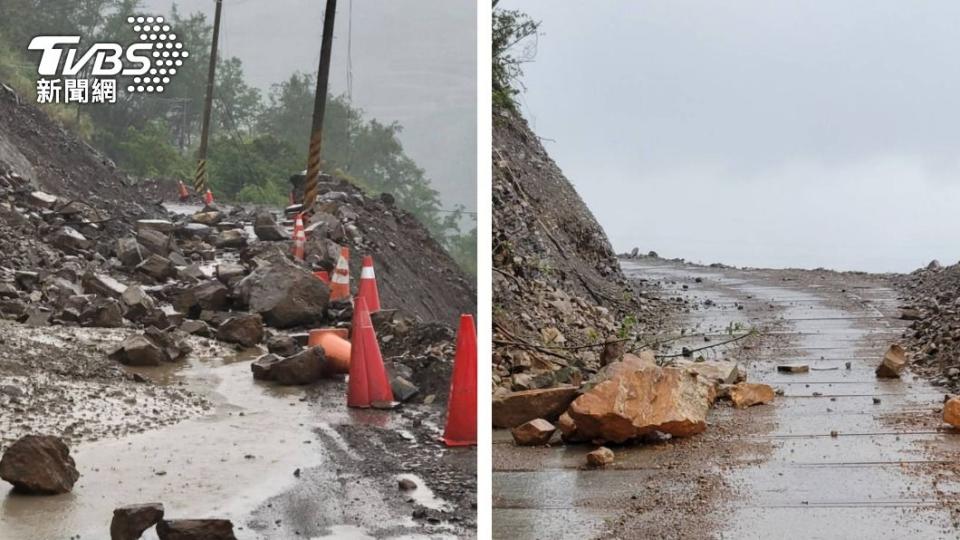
[
  {"x": 210, "y": 294},
  {"x": 285, "y": 294},
  {"x": 305, "y": 367},
  {"x": 246, "y": 330},
  {"x": 231, "y": 238},
  {"x": 266, "y": 228}
]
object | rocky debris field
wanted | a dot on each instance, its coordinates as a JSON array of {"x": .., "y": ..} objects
[
  {"x": 931, "y": 299},
  {"x": 562, "y": 306},
  {"x": 107, "y": 297}
]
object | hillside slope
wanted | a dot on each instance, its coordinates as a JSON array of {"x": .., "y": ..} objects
[{"x": 559, "y": 292}]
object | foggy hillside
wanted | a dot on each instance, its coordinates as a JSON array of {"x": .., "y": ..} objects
[{"x": 412, "y": 62}]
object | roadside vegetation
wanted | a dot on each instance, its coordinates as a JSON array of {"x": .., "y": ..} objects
[{"x": 259, "y": 138}]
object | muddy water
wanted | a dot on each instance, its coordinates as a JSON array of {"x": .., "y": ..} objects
[{"x": 222, "y": 464}]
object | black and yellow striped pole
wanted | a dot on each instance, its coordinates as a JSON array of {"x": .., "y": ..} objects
[
  {"x": 200, "y": 177},
  {"x": 319, "y": 107}
]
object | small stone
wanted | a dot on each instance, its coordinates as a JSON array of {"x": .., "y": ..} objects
[
  {"x": 406, "y": 484},
  {"x": 601, "y": 457},
  {"x": 793, "y": 368},
  {"x": 536, "y": 432}
]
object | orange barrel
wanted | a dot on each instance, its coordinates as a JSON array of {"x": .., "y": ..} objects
[
  {"x": 323, "y": 275},
  {"x": 335, "y": 345}
]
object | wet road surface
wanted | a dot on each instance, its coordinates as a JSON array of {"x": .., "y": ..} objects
[{"x": 824, "y": 461}]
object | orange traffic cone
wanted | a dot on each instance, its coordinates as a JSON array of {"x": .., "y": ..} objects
[
  {"x": 368, "y": 285},
  {"x": 208, "y": 198},
  {"x": 299, "y": 238},
  {"x": 461, "y": 428},
  {"x": 323, "y": 276},
  {"x": 182, "y": 192},
  {"x": 340, "y": 282},
  {"x": 368, "y": 385}
]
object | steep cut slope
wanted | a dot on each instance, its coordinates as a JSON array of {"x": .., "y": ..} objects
[{"x": 559, "y": 293}]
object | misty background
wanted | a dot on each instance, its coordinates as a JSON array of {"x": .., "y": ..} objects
[
  {"x": 754, "y": 133},
  {"x": 412, "y": 61}
]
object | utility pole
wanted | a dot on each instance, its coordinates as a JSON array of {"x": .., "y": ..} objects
[
  {"x": 200, "y": 178},
  {"x": 319, "y": 107}
]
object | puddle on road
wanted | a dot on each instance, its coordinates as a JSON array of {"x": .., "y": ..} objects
[
  {"x": 423, "y": 495},
  {"x": 219, "y": 465}
]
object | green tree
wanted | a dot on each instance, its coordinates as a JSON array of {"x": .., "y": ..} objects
[{"x": 511, "y": 28}]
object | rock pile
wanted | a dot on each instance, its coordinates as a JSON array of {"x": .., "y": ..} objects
[{"x": 932, "y": 304}]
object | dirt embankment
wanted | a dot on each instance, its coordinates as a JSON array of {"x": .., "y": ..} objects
[{"x": 559, "y": 292}]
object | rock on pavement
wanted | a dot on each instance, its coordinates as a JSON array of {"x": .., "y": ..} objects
[
  {"x": 636, "y": 403},
  {"x": 129, "y": 522},
  {"x": 745, "y": 394},
  {"x": 951, "y": 412},
  {"x": 893, "y": 362},
  {"x": 600, "y": 457},
  {"x": 536, "y": 432},
  {"x": 39, "y": 464},
  {"x": 511, "y": 409},
  {"x": 195, "y": 529},
  {"x": 305, "y": 367}
]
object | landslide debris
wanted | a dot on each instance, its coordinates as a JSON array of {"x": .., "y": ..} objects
[
  {"x": 96, "y": 275},
  {"x": 931, "y": 298},
  {"x": 559, "y": 294}
]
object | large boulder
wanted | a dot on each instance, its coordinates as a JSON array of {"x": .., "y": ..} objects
[
  {"x": 39, "y": 464},
  {"x": 129, "y": 522},
  {"x": 714, "y": 371},
  {"x": 514, "y": 408},
  {"x": 246, "y": 330},
  {"x": 195, "y": 529},
  {"x": 156, "y": 242},
  {"x": 266, "y": 228},
  {"x": 894, "y": 360},
  {"x": 637, "y": 403},
  {"x": 305, "y": 367},
  {"x": 285, "y": 294},
  {"x": 151, "y": 349}
]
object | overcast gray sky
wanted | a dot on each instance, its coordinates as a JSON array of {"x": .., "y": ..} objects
[
  {"x": 414, "y": 61},
  {"x": 758, "y": 132}
]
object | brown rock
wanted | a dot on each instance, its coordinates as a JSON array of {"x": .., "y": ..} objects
[
  {"x": 893, "y": 362},
  {"x": 636, "y": 403},
  {"x": 39, "y": 464},
  {"x": 601, "y": 457},
  {"x": 714, "y": 371},
  {"x": 195, "y": 529},
  {"x": 129, "y": 522},
  {"x": 793, "y": 368},
  {"x": 536, "y": 432},
  {"x": 951, "y": 412},
  {"x": 514, "y": 408},
  {"x": 283, "y": 345},
  {"x": 745, "y": 394}
]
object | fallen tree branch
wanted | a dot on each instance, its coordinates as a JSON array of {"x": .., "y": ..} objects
[{"x": 690, "y": 352}]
